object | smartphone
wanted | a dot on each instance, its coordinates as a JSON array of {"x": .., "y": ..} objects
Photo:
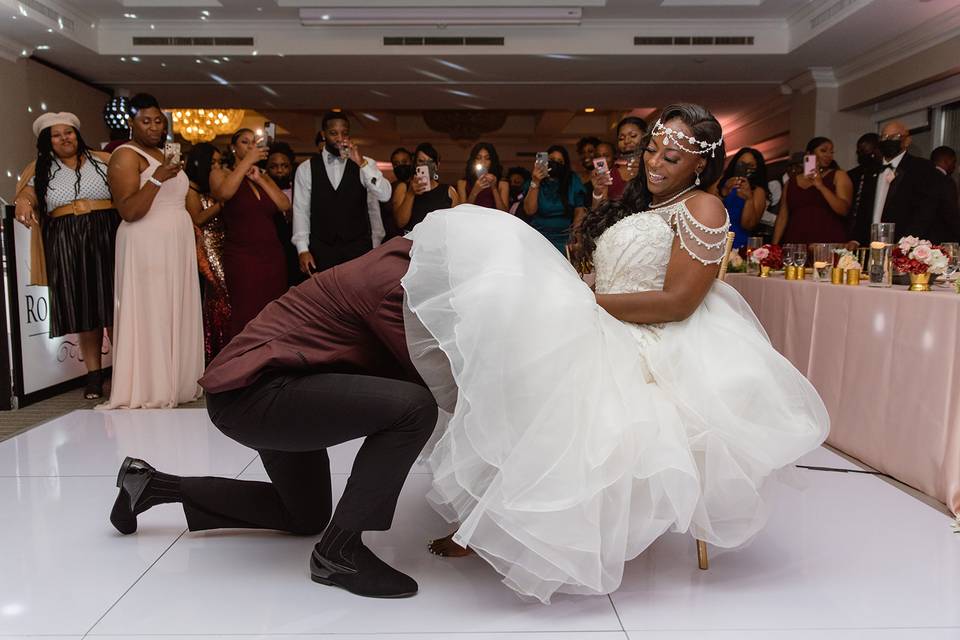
[
  {"x": 543, "y": 159},
  {"x": 423, "y": 175},
  {"x": 600, "y": 164},
  {"x": 171, "y": 153},
  {"x": 345, "y": 150},
  {"x": 480, "y": 170},
  {"x": 809, "y": 165},
  {"x": 269, "y": 135}
]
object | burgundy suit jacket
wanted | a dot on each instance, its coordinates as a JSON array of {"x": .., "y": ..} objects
[{"x": 348, "y": 319}]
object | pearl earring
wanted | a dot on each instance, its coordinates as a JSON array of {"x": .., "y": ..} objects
[{"x": 697, "y": 181}]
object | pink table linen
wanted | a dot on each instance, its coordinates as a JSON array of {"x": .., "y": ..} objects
[{"x": 886, "y": 363}]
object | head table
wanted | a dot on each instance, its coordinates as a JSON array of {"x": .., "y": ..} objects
[{"x": 886, "y": 363}]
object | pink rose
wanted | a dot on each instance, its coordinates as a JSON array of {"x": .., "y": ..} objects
[
  {"x": 921, "y": 253},
  {"x": 760, "y": 254},
  {"x": 907, "y": 243}
]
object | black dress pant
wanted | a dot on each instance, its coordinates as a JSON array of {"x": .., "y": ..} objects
[
  {"x": 327, "y": 256},
  {"x": 291, "y": 420}
]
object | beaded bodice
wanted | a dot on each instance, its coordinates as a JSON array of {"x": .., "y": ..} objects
[{"x": 632, "y": 255}]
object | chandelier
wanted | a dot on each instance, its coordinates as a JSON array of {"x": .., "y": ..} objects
[{"x": 203, "y": 125}]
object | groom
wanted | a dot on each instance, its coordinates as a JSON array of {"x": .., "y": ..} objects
[{"x": 325, "y": 363}]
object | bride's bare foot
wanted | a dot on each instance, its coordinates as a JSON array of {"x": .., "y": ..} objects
[{"x": 447, "y": 548}]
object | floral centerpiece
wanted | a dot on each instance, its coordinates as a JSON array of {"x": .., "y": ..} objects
[
  {"x": 736, "y": 263},
  {"x": 847, "y": 260},
  {"x": 769, "y": 255},
  {"x": 919, "y": 258}
]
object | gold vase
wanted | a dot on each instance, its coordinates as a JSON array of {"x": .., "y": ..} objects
[
  {"x": 853, "y": 276},
  {"x": 919, "y": 282},
  {"x": 790, "y": 272},
  {"x": 764, "y": 271},
  {"x": 836, "y": 275}
]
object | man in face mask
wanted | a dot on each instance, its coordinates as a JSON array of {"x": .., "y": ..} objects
[
  {"x": 868, "y": 163},
  {"x": 907, "y": 191}
]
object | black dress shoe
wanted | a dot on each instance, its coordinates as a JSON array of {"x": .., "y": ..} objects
[
  {"x": 132, "y": 480},
  {"x": 368, "y": 576},
  {"x": 94, "y": 388}
]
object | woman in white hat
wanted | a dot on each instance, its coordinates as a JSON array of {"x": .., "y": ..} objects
[{"x": 65, "y": 198}]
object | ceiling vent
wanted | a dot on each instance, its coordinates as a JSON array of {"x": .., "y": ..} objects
[
  {"x": 432, "y": 41},
  {"x": 192, "y": 42},
  {"x": 62, "y": 21},
  {"x": 432, "y": 16},
  {"x": 695, "y": 41}
]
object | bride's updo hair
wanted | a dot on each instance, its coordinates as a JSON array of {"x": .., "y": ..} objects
[{"x": 704, "y": 128}]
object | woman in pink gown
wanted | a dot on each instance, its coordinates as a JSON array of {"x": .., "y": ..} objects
[{"x": 158, "y": 328}]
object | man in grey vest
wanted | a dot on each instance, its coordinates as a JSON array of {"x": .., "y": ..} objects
[{"x": 336, "y": 213}]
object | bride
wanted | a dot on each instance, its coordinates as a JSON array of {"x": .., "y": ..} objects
[{"x": 588, "y": 423}]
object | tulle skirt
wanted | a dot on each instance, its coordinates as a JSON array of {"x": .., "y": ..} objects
[{"x": 577, "y": 439}]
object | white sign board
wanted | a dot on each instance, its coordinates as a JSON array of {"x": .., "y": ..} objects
[{"x": 46, "y": 361}]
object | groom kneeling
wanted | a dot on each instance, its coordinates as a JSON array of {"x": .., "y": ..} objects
[{"x": 325, "y": 363}]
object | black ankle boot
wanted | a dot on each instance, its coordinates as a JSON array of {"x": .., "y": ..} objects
[
  {"x": 361, "y": 573},
  {"x": 132, "y": 480},
  {"x": 94, "y": 388}
]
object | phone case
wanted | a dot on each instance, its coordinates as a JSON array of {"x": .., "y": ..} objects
[
  {"x": 600, "y": 164},
  {"x": 172, "y": 150},
  {"x": 809, "y": 165}
]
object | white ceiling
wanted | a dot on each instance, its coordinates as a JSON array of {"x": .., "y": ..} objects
[{"x": 303, "y": 70}]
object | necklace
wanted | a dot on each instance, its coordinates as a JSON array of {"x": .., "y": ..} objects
[{"x": 660, "y": 205}]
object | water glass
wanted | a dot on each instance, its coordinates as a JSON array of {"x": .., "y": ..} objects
[
  {"x": 884, "y": 232},
  {"x": 952, "y": 251},
  {"x": 881, "y": 270},
  {"x": 753, "y": 243},
  {"x": 822, "y": 261},
  {"x": 800, "y": 258}
]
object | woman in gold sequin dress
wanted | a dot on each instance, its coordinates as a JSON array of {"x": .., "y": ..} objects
[{"x": 208, "y": 226}]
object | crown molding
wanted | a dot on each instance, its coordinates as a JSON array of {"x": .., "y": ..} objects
[
  {"x": 813, "y": 78},
  {"x": 931, "y": 33}
]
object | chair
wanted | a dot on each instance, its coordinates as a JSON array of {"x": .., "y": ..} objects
[{"x": 703, "y": 560}]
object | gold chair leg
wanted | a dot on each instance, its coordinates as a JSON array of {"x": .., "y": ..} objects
[{"x": 702, "y": 559}]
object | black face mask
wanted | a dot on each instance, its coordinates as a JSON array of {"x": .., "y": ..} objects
[
  {"x": 890, "y": 148},
  {"x": 403, "y": 172},
  {"x": 515, "y": 192},
  {"x": 557, "y": 170}
]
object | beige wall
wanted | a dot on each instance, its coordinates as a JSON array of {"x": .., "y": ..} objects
[{"x": 25, "y": 83}]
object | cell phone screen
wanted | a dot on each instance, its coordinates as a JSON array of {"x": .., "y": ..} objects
[
  {"x": 423, "y": 174},
  {"x": 600, "y": 164},
  {"x": 809, "y": 165}
]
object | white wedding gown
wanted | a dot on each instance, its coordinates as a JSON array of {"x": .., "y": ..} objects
[{"x": 578, "y": 439}]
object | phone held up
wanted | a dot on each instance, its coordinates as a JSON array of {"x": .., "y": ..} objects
[
  {"x": 480, "y": 170},
  {"x": 171, "y": 153},
  {"x": 543, "y": 159},
  {"x": 423, "y": 175},
  {"x": 269, "y": 135},
  {"x": 809, "y": 165}
]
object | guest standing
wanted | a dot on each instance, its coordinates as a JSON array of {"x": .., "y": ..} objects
[
  {"x": 630, "y": 132},
  {"x": 868, "y": 165},
  {"x": 281, "y": 163},
  {"x": 554, "y": 201},
  {"x": 489, "y": 190},
  {"x": 64, "y": 198},
  {"x": 412, "y": 201},
  {"x": 743, "y": 189},
  {"x": 205, "y": 210},
  {"x": 815, "y": 206},
  {"x": 336, "y": 216},
  {"x": 587, "y": 151},
  {"x": 253, "y": 259},
  {"x": 158, "y": 330}
]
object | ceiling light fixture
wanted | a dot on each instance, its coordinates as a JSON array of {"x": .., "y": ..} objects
[
  {"x": 43, "y": 47},
  {"x": 135, "y": 59},
  {"x": 589, "y": 109},
  {"x": 429, "y": 16},
  {"x": 205, "y": 12},
  {"x": 203, "y": 125},
  {"x": 131, "y": 16}
]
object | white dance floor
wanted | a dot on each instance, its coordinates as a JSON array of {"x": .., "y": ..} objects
[{"x": 850, "y": 557}]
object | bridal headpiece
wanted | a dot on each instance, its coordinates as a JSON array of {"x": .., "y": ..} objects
[{"x": 678, "y": 138}]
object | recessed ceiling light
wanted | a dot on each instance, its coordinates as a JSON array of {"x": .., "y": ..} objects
[
  {"x": 49, "y": 30},
  {"x": 259, "y": 8},
  {"x": 218, "y": 79},
  {"x": 370, "y": 116},
  {"x": 226, "y": 59},
  {"x": 23, "y": 10},
  {"x": 215, "y": 61},
  {"x": 153, "y": 26},
  {"x": 60, "y": 22},
  {"x": 9, "y": 173},
  {"x": 132, "y": 16},
  {"x": 163, "y": 64},
  {"x": 43, "y": 106},
  {"x": 29, "y": 109},
  {"x": 205, "y": 12},
  {"x": 336, "y": 109},
  {"x": 255, "y": 52},
  {"x": 589, "y": 109},
  {"x": 13, "y": 17},
  {"x": 43, "y": 47},
  {"x": 123, "y": 59},
  {"x": 203, "y": 17},
  {"x": 135, "y": 59},
  {"x": 325, "y": 16},
  {"x": 452, "y": 65},
  {"x": 199, "y": 61}
]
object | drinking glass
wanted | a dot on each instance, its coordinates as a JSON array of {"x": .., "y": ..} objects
[
  {"x": 822, "y": 261},
  {"x": 952, "y": 251},
  {"x": 881, "y": 273},
  {"x": 753, "y": 243},
  {"x": 800, "y": 259},
  {"x": 884, "y": 232},
  {"x": 787, "y": 253}
]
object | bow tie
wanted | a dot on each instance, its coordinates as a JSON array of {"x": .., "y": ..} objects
[{"x": 888, "y": 166}]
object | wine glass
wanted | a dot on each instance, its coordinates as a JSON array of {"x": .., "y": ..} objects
[
  {"x": 952, "y": 251},
  {"x": 800, "y": 259}
]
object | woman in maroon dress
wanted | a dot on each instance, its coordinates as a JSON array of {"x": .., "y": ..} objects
[
  {"x": 253, "y": 259},
  {"x": 815, "y": 206},
  {"x": 487, "y": 189}
]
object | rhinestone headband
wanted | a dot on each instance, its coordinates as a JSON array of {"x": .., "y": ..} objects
[{"x": 699, "y": 147}]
